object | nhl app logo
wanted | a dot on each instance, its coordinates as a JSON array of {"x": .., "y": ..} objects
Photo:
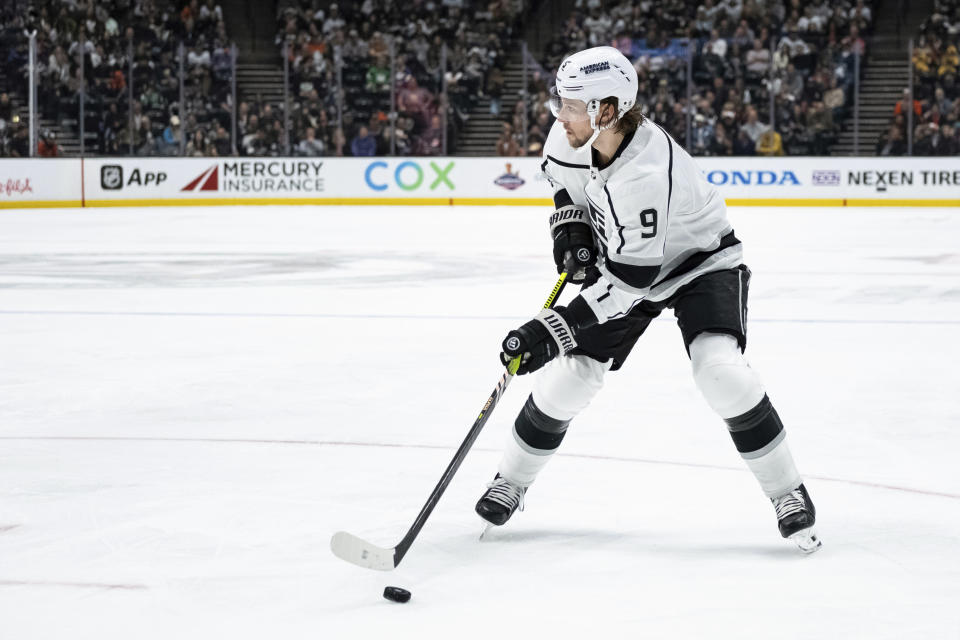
[{"x": 111, "y": 177}]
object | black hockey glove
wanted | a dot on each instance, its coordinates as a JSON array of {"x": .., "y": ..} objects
[
  {"x": 539, "y": 341},
  {"x": 548, "y": 335},
  {"x": 573, "y": 241}
]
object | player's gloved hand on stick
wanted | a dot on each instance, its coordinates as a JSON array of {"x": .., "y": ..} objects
[
  {"x": 551, "y": 333},
  {"x": 573, "y": 242}
]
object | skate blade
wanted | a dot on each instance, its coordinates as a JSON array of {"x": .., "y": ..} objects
[
  {"x": 486, "y": 527},
  {"x": 806, "y": 540}
]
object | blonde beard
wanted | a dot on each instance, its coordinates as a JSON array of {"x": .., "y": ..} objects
[
  {"x": 589, "y": 140},
  {"x": 580, "y": 143}
]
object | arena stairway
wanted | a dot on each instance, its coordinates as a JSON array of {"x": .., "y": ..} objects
[
  {"x": 479, "y": 136},
  {"x": 252, "y": 25},
  {"x": 885, "y": 74},
  {"x": 68, "y": 138},
  {"x": 260, "y": 82}
]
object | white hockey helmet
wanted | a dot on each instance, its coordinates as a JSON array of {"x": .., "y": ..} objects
[{"x": 587, "y": 77}]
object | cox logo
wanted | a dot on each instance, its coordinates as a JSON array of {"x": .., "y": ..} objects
[{"x": 407, "y": 175}]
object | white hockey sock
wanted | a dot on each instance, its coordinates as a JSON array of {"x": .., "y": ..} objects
[
  {"x": 562, "y": 390},
  {"x": 735, "y": 392},
  {"x": 520, "y": 463},
  {"x": 774, "y": 468}
]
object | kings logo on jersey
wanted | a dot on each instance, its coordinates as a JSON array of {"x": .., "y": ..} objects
[{"x": 510, "y": 180}]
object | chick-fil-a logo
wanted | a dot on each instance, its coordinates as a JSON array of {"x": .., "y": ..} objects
[{"x": 12, "y": 186}]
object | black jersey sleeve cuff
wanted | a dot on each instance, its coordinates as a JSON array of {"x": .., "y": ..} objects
[
  {"x": 579, "y": 315},
  {"x": 562, "y": 199}
]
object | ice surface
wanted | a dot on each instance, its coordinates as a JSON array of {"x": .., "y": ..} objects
[{"x": 193, "y": 401}]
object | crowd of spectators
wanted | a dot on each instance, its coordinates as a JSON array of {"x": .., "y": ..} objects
[
  {"x": 109, "y": 35},
  {"x": 371, "y": 47},
  {"x": 936, "y": 95},
  {"x": 347, "y": 59},
  {"x": 14, "y": 136},
  {"x": 741, "y": 51}
]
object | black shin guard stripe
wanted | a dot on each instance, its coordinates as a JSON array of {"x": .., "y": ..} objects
[
  {"x": 756, "y": 428},
  {"x": 537, "y": 429}
]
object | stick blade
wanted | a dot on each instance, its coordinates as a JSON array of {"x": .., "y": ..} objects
[{"x": 349, "y": 547}]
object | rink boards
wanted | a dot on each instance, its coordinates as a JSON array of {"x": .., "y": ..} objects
[{"x": 787, "y": 181}]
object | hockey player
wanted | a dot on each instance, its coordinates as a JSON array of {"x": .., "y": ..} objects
[{"x": 643, "y": 231}]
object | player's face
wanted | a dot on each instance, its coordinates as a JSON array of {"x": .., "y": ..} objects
[
  {"x": 572, "y": 114},
  {"x": 578, "y": 133}
]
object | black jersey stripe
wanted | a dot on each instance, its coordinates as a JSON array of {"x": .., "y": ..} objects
[
  {"x": 566, "y": 164},
  {"x": 756, "y": 428},
  {"x": 669, "y": 172},
  {"x": 636, "y": 276},
  {"x": 623, "y": 145},
  {"x": 669, "y": 169},
  {"x": 697, "y": 259},
  {"x": 616, "y": 221},
  {"x": 538, "y": 430}
]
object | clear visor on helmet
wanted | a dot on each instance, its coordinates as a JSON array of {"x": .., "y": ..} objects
[{"x": 567, "y": 109}]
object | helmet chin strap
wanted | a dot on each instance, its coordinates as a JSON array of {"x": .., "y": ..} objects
[
  {"x": 590, "y": 141},
  {"x": 593, "y": 108}
]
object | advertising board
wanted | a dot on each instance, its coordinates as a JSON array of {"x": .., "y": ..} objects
[
  {"x": 30, "y": 182},
  {"x": 785, "y": 181},
  {"x": 148, "y": 181},
  {"x": 837, "y": 181}
]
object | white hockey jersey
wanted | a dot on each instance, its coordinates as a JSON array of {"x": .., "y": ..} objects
[{"x": 658, "y": 223}]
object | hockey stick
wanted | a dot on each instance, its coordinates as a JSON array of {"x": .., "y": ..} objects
[{"x": 360, "y": 552}]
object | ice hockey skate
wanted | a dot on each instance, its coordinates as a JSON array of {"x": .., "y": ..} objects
[
  {"x": 796, "y": 516},
  {"x": 501, "y": 499}
]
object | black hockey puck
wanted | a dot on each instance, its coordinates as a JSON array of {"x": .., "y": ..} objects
[{"x": 396, "y": 594}]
